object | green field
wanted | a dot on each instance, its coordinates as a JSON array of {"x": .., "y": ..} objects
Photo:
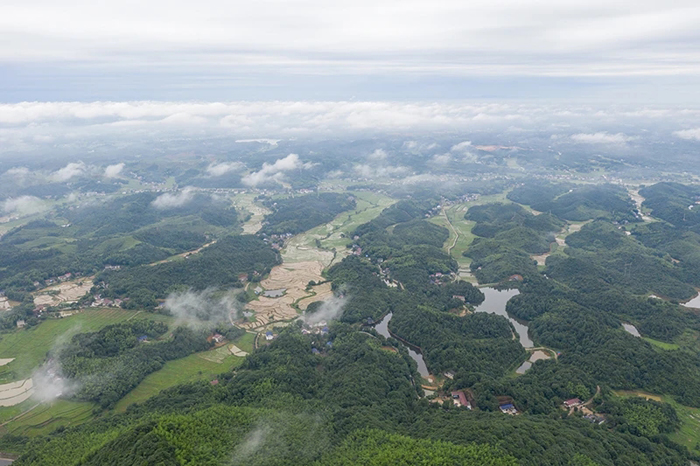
[
  {"x": 30, "y": 346},
  {"x": 193, "y": 367},
  {"x": 246, "y": 342},
  {"x": 335, "y": 234},
  {"x": 689, "y": 433},
  {"x": 661, "y": 344},
  {"x": 42, "y": 419}
]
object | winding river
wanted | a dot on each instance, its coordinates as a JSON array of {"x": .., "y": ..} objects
[{"x": 494, "y": 303}]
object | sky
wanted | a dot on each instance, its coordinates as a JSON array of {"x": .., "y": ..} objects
[{"x": 631, "y": 51}]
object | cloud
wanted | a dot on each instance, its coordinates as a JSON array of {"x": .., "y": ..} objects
[
  {"x": 273, "y": 172},
  {"x": 170, "y": 201},
  {"x": 112, "y": 171},
  {"x": 442, "y": 159},
  {"x": 379, "y": 171},
  {"x": 49, "y": 383},
  {"x": 462, "y": 146},
  {"x": 690, "y": 134},
  {"x": 601, "y": 138},
  {"x": 219, "y": 169},
  {"x": 23, "y": 205},
  {"x": 198, "y": 309},
  {"x": 378, "y": 155},
  {"x": 18, "y": 172},
  {"x": 331, "y": 309},
  {"x": 71, "y": 170}
]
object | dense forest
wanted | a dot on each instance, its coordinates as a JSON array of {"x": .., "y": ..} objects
[
  {"x": 121, "y": 231},
  {"x": 216, "y": 266},
  {"x": 301, "y": 213}
]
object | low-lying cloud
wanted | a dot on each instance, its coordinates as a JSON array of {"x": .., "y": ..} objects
[
  {"x": 113, "y": 171},
  {"x": 23, "y": 205},
  {"x": 198, "y": 309},
  {"x": 273, "y": 172},
  {"x": 71, "y": 170},
  {"x": 50, "y": 384},
  {"x": 331, "y": 309},
  {"x": 601, "y": 138},
  {"x": 173, "y": 200},
  {"x": 220, "y": 169},
  {"x": 690, "y": 134}
]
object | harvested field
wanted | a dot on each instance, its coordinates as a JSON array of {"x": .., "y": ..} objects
[
  {"x": 67, "y": 292},
  {"x": 257, "y": 212},
  {"x": 4, "y": 304},
  {"x": 236, "y": 351},
  {"x": 322, "y": 291},
  {"x": 293, "y": 277},
  {"x": 14, "y": 393}
]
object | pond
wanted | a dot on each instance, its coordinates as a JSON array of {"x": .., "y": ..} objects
[
  {"x": 693, "y": 303},
  {"x": 631, "y": 329},
  {"x": 495, "y": 303},
  {"x": 382, "y": 328},
  {"x": 534, "y": 357},
  {"x": 274, "y": 293}
]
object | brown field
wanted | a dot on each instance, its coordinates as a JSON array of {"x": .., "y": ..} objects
[
  {"x": 14, "y": 393},
  {"x": 322, "y": 291},
  {"x": 292, "y": 277},
  {"x": 68, "y": 292}
]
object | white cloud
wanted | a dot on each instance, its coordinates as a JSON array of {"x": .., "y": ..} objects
[
  {"x": 20, "y": 172},
  {"x": 71, "y": 170},
  {"x": 219, "y": 169},
  {"x": 601, "y": 138},
  {"x": 23, "y": 205},
  {"x": 273, "y": 172},
  {"x": 373, "y": 171},
  {"x": 378, "y": 155},
  {"x": 170, "y": 200},
  {"x": 442, "y": 159},
  {"x": 462, "y": 146},
  {"x": 688, "y": 134},
  {"x": 112, "y": 171}
]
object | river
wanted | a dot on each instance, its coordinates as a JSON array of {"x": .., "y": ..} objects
[
  {"x": 382, "y": 328},
  {"x": 495, "y": 303}
]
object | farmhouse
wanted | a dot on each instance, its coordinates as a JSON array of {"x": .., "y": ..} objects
[
  {"x": 572, "y": 403},
  {"x": 509, "y": 408},
  {"x": 460, "y": 399},
  {"x": 269, "y": 335}
]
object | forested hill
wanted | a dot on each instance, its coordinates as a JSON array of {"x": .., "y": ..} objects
[
  {"x": 301, "y": 213},
  {"x": 287, "y": 405}
]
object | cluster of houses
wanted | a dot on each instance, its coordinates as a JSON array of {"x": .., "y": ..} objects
[
  {"x": 277, "y": 241},
  {"x": 106, "y": 302},
  {"x": 438, "y": 278},
  {"x": 59, "y": 279}
]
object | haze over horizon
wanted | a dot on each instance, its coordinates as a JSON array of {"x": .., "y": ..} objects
[{"x": 628, "y": 52}]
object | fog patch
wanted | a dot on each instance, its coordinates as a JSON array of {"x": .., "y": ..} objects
[
  {"x": 112, "y": 171},
  {"x": 601, "y": 138},
  {"x": 50, "y": 384},
  {"x": 689, "y": 134},
  {"x": 23, "y": 205},
  {"x": 200, "y": 309},
  {"x": 219, "y": 169},
  {"x": 71, "y": 170},
  {"x": 331, "y": 309},
  {"x": 273, "y": 172},
  {"x": 171, "y": 201}
]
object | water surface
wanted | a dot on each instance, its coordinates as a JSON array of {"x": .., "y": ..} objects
[{"x": 495, "y": 303}]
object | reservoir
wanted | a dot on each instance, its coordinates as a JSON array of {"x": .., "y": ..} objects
[
  {"x": 631, "y": 329},
  {"x": 382, "y": 328},
  {"x": 495, "y": 303},
  {"x": 694, "y": 303}
]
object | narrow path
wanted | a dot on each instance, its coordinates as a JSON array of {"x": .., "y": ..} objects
[
  {"x": 454, "y": 230},
  {"x": 597, "y": 392}
]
